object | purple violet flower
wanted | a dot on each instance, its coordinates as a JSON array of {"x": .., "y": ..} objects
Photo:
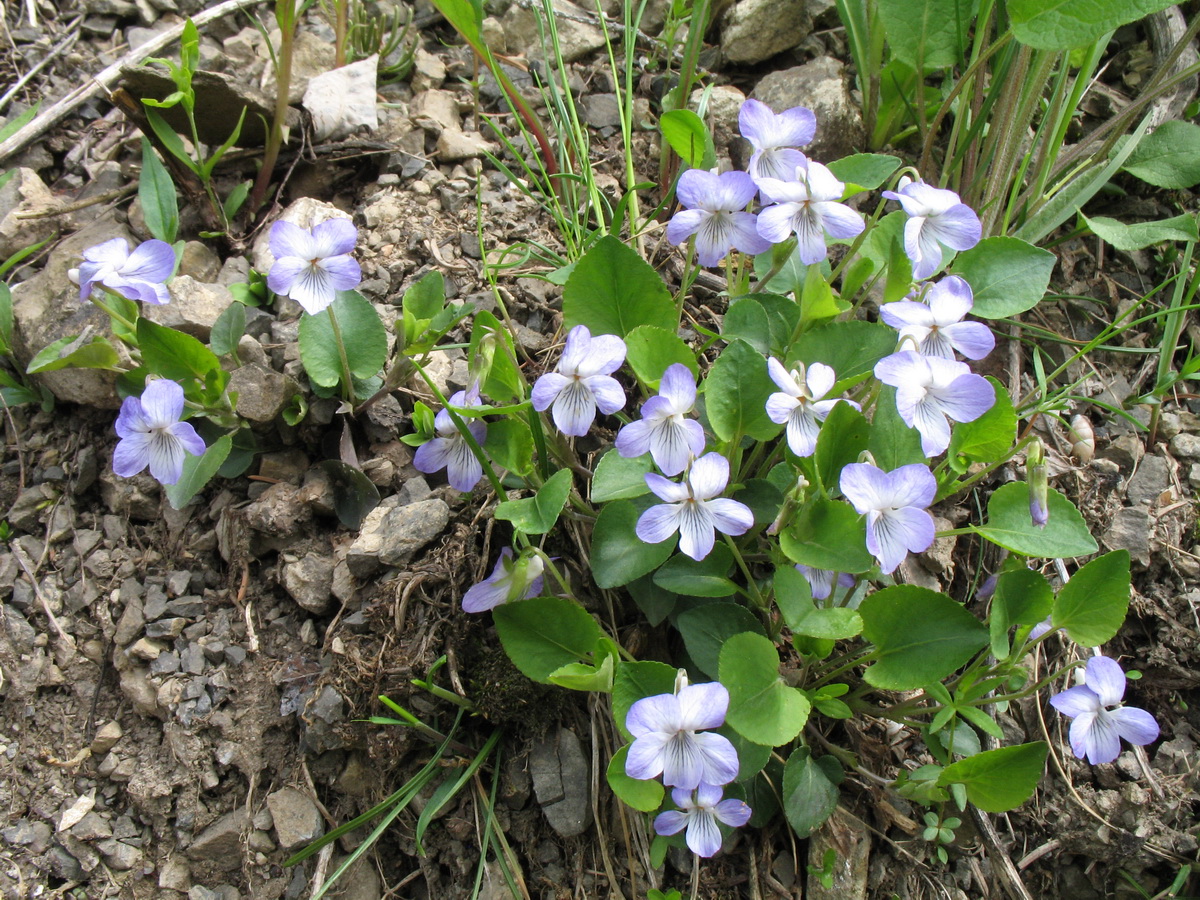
[
  {"x": 808, "y": 207},
  {"x": 691, "y": 509},
  {"x": 799, "y": 403},
  {"x": 152, "y": 435},
  {"x": 135, "y": 276},
  {"x": 773, "y": 136},
  {"x": 450, "y": 450},
  {"x": 716, "y": 214},
  {"x": 896, "y": 506},
  {"x": 936, "y": 325},
  {"x": 664, "y": 430},
  {"x": 820, "y": 581},
  {"x": 311, "y": 266},
  {"x": 666, "y": 743},
  {"x": 510, "y": 580},
  {"x": 930, "y": 391},
  {"x": 583, "y": 381},
  {"x": 699, "y": 813},
  {"x": 936, "y": 217},
  {"x": 1097, "y": 730}
]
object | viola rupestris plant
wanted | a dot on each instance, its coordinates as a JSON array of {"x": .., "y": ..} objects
[{"x": 763, "y": 489}]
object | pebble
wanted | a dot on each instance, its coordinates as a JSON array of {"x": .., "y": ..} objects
[
  {"x": 296, "y": 817},
  {"x": 560, "y": 780},
  {"x": 1186, "y": 445}
]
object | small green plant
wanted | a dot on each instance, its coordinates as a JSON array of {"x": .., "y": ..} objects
[
  {"x": 940, "y": 833},
  {"x": 824, "y": 872}
]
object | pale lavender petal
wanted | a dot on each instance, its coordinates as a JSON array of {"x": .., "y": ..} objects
[
  {"x": 929, "y": 420},
  {"x": 166, "y": 457},
  {"x": 733, "y": 812},
  {"x": 132, "y": 454},
  {"x": 867, "y": 487},
  {"x": 284, "y": 273},
  {"x": 718, "y": 758},
  {"x": 1135, "y": 725},
  {"x": 780, "y": 407},
  {"x": 911, "y": 485},
  {"x": 291, "y": 240},
  {"x": 344, "y": 272},
  {"x": 162, "y": 403},
  {"x": 756, "y": 122},
  {"x": 926, "y": 200},
  {"x": 546, "y": 390},
  {"x": 605, "y": 353},
  {"x": 488, "y": 594},
  {"x": 142, "y": 291},
  {"x": 778, "y": 163},
  {"x": 731, "y": 517},
  {"x": 150, "y": 261},
  {"x": 744, "y": 234},
  {"x": 841, "y": 221},
  {"x": 678, "y": 386},
  {"x": 186, "y": 435},
  {"x": 958, "y": 227},
  {"x": 334, "y": 237},
  {"x": 700, "y": 189},
  {"x": 89, "y": 274},
  {"x": 1097, "y": 738},
  {"x": 967, "y": 398},
  {"x": 433, "y": 455},
  {"x": 802, "y": 430},
  {"x": 821, "y": 379},
  {"x": 575, "y": 350},
  {"x": 823, "y": 185},
  {"x": 697, "y": 533},
  {"x": 734, "y": 191},
  {"x": 634, "y": 439},
  {"x": 313, "y": 289},
  {"x": 658, "y": 523},
  {"x": 904, "y": 369},
  {"x": 1106, "y": 678},
  {"x": 647, "y": 755},
  {"x": 656, "y": 714},
  {"x": 685, "y": 223},
  {"x": 670, "y": 822},
  {"x": 463, "y": 468},
  {"x": 665, "y": 489},
  {"x": 820, "y": 581},
  {"x": 950, "y": 299},
  {"x": 782, "y": 377},
  {"x": 810, "y": 234},
  {"x": 673, "y": 444},
  {"x": 575, "y": 409},
  {"x": 703, "y": 837},
  {"x": 783, "y": 191},
  {"x": 131, "y": 419},
  {"x": 609, "y": 394},
  {"x": 896, "y": 532},
  {"x": 707, "y": 795},
  {"x": 709, "y": 476},
  {"x": 907, "y": 314},
  {"x": 795, "y": 127},
  {"x": 1076, "y": 701},
  {"x": 775, "y": 222},
  {"x": 111, "y": 253},
  {"x": 702, "y": 706},
  {"x": 974, "y": 340},
  {"x": 714, "y": 239},
  {"x": 684, "y": 762},
  {"x": 922, "y": 248}
]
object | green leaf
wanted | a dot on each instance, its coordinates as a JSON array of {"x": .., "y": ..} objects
[
  {"x": 16, "y": 123},
  {"x": 1065, "y": 24},
  {"x": 236, "y": 198},
  {"x": 544, "y": 634},
  {"x": 893, "y": 443},
  {"x": 166, "y": 134},
  {"x": 921, "y": 636},
  {"x": 828, "y": 534},
  {"x": 736, "y": 392},
  {"x": 612, "y": 290},
  {"x": 843, "y": 436},
  {"x": 1009, "y": 525},
  {"x": 999, "y": 780},
  {"x": 582, "y": 677},
  {"x": 363, "y": 336},
  {"x": 1142, "y": 234},
  {"x": 509, "y": 444},
  {"x": 746, "y": 320},
  {"x": 618, "y": 554},
  {"x": 156, "y": 191},
  {"x": 197, "y": 472},
  {"x": 927, "y": 34},
  {"x": 762, "y": 708},
  {"x": 635, "y": 680},
  {"x": 850, "y": 348},
  {"x": 705, "y": 629},
  {"x": 706, "y": 578},
  {"x": 228, "y": 330},
  {"x": 1169, "y": 158},
  {"x": 1023, "y": 597},
  {"x": 809, "y": 797},
  {"x": 989, "y": 437},
  {"x": 689, "y": 138},
  {"x": 865, "y": 171},
  {"x": 644, "y": 796},
  {"x": 6, "y": 320},
  {"x": 1092, "y": 605},
  {"x": 793, "y": 596},
  {"x": 1006, "y": 274},
  {"x": 71, "y": 352},
  {"x": 539, "y": 513},
  {"x": 652, "y": 349},
  {"x": 817, "y": 300},
  {"x": 354, "y": 494},
  {"x": 175, "y": 355},
  {"x": 492, "y": 349},
  {"x": 620, "y": 478}
]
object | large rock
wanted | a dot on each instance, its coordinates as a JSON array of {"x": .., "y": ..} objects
[
  {"x": 22, "y": 194},
  {"x": 577, "y": 36},
  {"x": 194, "y": 306},
  {"x": 262, "y": 392},
  {"x": 821, "y": 86},
  {"x": 758, "y": 29},
  {"x": 560, "y": 779},
  {"x": 391, "y": 534}
]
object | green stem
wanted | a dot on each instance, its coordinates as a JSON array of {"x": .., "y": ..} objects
[
  {"x": 759, "y": 600},
  {"x": 285, "y": 15},
  {"x": 347, "y": 379},
  {"x": 463, "y": 430}
]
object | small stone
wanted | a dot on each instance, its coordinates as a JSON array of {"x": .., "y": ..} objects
[
  {"x": 1152, "y": 478},
  {"x": 390, "y": 535},
  {"x": 297, "y": 819},
  {"x": 92, "y": 827},
  {"x": 262, "y": 393},
  {"x": 454, "y": 145},
  {"x": 194, "y": 307},
  {"x": 198, "y": 261},
  {"x": 166, "y": 628},
  {"x": 1130, "y": 530},
  {"x": 1186, "y": 445},
  {"x": 175, "y": 875},
  {"x": 602, "y": 110},
  {"x": 756, "y": 30},
  {"x": 106, "y": 738},
  {"x": 145, "y": 649},
  {"x": 120, "y": 856},
  {"x": 310, "y": 581},
  {"x": 192, "y": 659},
  {"x": 560, "y": 779},
  {"x": 178, "y": 583},
  {"x": 221, "y": 842},
  {"x": 35, "y": 836},
  {"x": 140, "y": 691},
  {"x": 260, "y": 842},
  {"x": 428, "y": 71}
]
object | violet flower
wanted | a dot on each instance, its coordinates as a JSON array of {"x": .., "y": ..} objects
[
  {"x": 936, "y": 217},
  {"x": 799, "y": 403},
  {"x": 936, "y": 325},
  {"x": 583, "y": 381},
  {"x": 450, "y": 450},
  {"x": 820, "y": 581},
  {"x": 139, "y": 275},
  {"x": 311, "y": 266},
  {"x": 896, "y": 506},
  {"x": 666, "y": 743},
  {"x": 664, "y": 430},
  {"x": 1097, "y": 730},
  {"x": 511, "y": 580},
  {"x": 773, "y": 135},
  {"x": 930, "y": 391},
  {"x": 691, "y": 509},
  {"x": 809, "y": 208},
  {"x": 716, "y": 214},
  {"x": 152, "y": 435},
  {"x": 699, "y": 813}
]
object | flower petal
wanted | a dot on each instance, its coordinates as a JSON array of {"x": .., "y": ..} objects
[
  {"x": 166, "y": 457},
  {"x": 579, "y": 341},
  {"x": 291, "y": 240},
  {"x": 546, "y": 390},
  {"x": 708, "y": 476},
  {"x": 659, "y": 713},
  {"x": 334, "y": 237},
  {"x": 486, "y": 595},
  {"x": 646, "y": 755},
  {"x": 719, "y": 759},
  {"x": 810, "y": 233},
  {"x": 162, "y": 403},
  {"x": 111, "y": 253},
  {"x": 1135, "y": 725},
  {"x": 756, "y": 122},
  {"x": 185, "y": 433},
  {"x": 1096, "y": 737},
  {"x": 1105, "y": 676},
  {"x": 775, "y": 222},
  {"x": 896, "y": 532},
  {"x": 678, "y": 386},
  {"x": 344, "y": 272},
  {"x": 433, "y": 455},
  {"x": 974, "y": 340},
  {"x": 665, "y": 489},
  {"x": 1076, "y": 701},
  {"x": 867, "y": 487},
  {"x": 634, "y": 440},
  {"x": 673, "y": 444},
  {"x": 604, "y": 356},
  {"x": 703, "y": 836},
  {"x": 700, "y": 189},
  {"x": 780, "y": 407},
  {"x": 150, "y": 261},
  {"x": 730, "y": 516},
  {"x": 607, "y": 391},
  {"x": 734, "y": 191},
  {"x": 574, "y": 409},
  {"x": 132, "y": 454},
  {"x": 733, "y": 812},
  {"x": 779, "y": 163},
  {"x": 802, "y": 430},
  {"x": 967, "y": 398},
  {"x": 463, "y": 468},
  {"x": 658, "y": 523},
  {"x": 783, "y": 377},
  {"x": 284, "y": 273},
  {"x": 912, "y": 485},
  {"x": 703, "y": 706},
  {"x": 313, "y": 289},
  {"x": 907, "y": 314},
  {"x": 821, "y": 379},
  {"x": 841, "y": 221},
  {"x": 670, "y": 822},
  {"x": 685, "y": 223},
  {"x": 131, "y": 419},
  {"x": 958, "y": 227},
  {"x": 697, "y": 533}
]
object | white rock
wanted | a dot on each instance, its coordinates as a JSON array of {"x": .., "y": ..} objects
[{"x": 342, "y": 101}]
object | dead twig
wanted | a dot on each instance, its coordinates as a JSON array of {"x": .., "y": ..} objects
[{"x": 56, "y": 51}]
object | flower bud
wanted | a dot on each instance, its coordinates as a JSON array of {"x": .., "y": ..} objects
[{"x": 1035, "y": 465}]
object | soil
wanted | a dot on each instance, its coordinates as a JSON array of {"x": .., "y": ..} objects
[{"x": 174, "y": 723}]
